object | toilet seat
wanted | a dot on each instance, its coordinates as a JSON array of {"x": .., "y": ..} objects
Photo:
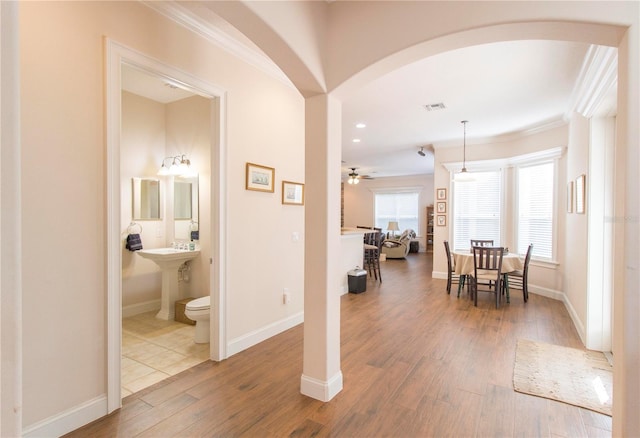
[{"x": 202, "y": 303}]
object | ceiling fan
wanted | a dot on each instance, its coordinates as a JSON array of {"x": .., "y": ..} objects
[{"x": 354, "y": 177}]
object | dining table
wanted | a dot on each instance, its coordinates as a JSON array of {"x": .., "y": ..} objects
[{"x": 464, "y": 264}]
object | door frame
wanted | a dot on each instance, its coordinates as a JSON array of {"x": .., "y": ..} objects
[{"x": 115, "y": 55}]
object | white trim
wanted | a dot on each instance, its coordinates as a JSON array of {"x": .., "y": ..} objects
[
  {"x": 11, "y": 314},
  {"x": 599, "y": 73},
  {"x": 69, "y": 420},
  {"x": 416, "y": 189},
  {"x": 544, "y": 126},
  {"x": 321, "y": 390},
  {"x": 502, "y": 163},
  {"x": 137, "y": 309},
  {"x": 193, "y": 22},
  {"x": 255, "y": 337}
]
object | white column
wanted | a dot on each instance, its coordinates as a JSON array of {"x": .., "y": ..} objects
[
  {"x": 321, "y": 374},
  {"x": 10, "y": 231}
]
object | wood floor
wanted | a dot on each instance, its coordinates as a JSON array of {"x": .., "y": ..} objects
[{"x": 416, "y": 362}]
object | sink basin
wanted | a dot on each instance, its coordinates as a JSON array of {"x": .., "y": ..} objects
[
  {"x": 170, "y": 256},
  {"x": 169, "y": 260}
]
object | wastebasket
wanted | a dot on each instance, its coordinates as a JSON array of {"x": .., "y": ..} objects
[{"x": 357, "y": 279}]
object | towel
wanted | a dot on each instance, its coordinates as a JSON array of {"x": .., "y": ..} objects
[
  {"x": 195, "y": 235},
  {"x": 134, "y": 243}
]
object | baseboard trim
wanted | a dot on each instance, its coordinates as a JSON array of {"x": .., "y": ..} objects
[
  {"x": 250, "y": 339},
  {"x": 319, "y": 389},
  {"x": 136, "y": 309},
  {"x": 68, "y": 420},
  {"x": 439, "y": 275}
]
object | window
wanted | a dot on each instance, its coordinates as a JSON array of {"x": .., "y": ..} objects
[
  {"x": 477, "y": 206},
  {"x": 400, "y": 207},
  {"x": 535, "y": 209}
]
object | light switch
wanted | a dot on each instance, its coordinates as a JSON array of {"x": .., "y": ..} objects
[{"x": 295, "y": 236}]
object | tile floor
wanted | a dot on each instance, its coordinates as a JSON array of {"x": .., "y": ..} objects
[{"x": 154, "y": 349}]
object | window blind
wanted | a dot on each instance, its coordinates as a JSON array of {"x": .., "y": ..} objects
[
  {"x": 535, "y": 209},
  {"x": 476, "y": 209},
  {"x": 399, "y": 207}
]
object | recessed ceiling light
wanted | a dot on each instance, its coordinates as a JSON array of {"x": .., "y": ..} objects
[
  {"x": 361, "y": 125},
  {"x": 356, "y": 140}
]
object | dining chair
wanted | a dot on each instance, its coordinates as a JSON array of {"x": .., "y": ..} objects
[
  {"x": 452, "y": 278},
  {"x": 372, "y": 250},
  {"x": 476, "y": 242},
  {"x": 487, "y": 266},
  {"x": 520, "y": 279}
]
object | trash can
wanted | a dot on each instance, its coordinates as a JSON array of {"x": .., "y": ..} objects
[{"x": 357, "y": 279}]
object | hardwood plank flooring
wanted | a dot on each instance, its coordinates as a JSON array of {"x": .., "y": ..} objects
[{"x": 416, "y": 362}]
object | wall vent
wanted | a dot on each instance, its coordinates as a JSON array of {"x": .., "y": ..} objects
[{"x": 434, "y": 106}]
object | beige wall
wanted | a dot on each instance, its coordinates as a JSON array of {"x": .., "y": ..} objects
[
  {"x": 152, "y": 131},
  {"x": 359, "y": 200},
  {"x": 64, "y": 188}
]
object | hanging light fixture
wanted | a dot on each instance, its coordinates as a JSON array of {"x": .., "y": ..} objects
[
  {"x": 464, "y": 176},
  {"x": 354, "y": 178}
]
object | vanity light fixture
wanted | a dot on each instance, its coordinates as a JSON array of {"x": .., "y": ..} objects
[{"x": 180, "y": 166}]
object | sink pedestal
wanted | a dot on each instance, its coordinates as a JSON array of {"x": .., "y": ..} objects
[{"x": 169, "y": 260}]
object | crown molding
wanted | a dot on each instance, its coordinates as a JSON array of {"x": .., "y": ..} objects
[
  {"x": 500, "y": 163},
  {"x": 186, "y": 18},
  {"x": 599, "y": 73},
  {"x": 544, "y": 126}
]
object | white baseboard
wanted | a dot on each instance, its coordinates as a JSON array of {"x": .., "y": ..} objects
[
  {"x": 250, "y": 339},
  {"x": 321, "y": 390},
  {"x": 439, "y": 275},
  {"x": 68, "y": 420},
  {"x": 136, "y": 309}
]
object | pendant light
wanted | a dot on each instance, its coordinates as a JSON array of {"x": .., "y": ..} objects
[{"x": 464, "y": 176}]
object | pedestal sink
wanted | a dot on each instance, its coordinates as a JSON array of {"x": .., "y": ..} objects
[{"x": 169, "y": 260}]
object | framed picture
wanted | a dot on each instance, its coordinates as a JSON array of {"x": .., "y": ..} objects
[
  {"x": 260, "y": 178},
  {"x": 441, "y": 220},
  {"x": 570, "y": 197},
  {"x": 580, "y": 193},
  {"x": 442, "y": 207},
  {"x": 292, "y": 193},
  {"x": 441, "y": 194}
]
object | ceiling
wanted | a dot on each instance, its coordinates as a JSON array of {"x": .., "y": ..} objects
[{"x": 501, "y": 89}]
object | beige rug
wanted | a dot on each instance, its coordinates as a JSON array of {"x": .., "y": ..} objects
[{"x": 577, "y": 377}]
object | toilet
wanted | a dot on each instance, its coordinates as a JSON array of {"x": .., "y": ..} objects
[{"x": 198, "y": 311}]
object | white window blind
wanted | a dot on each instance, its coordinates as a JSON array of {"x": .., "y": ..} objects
[
  {"x": 535, "y": 209},
  {"x": 399, "y": 207},
  {"x": 476, "y": 209}
]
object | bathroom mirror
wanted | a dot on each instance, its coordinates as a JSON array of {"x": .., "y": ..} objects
[
  {"x": 146, "y": 199},
  {"x": 185, "y": 206}
]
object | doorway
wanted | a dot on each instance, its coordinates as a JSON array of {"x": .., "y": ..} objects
[{"x": 212, "y": 223}]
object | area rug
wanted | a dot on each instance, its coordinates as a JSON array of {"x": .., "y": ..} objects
[{"x": 577, "y": 377}]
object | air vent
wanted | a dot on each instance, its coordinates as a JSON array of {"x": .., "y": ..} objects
[{"x": 434, "y": 106}]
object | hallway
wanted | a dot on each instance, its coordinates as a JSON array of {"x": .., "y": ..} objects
[{"x": 416, "y": 362}]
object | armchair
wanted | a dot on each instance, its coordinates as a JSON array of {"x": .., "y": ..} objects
[{"x": 398, "y": 248}]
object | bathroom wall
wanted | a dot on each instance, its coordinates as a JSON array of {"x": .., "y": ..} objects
[{"x": 152, "y": 131}]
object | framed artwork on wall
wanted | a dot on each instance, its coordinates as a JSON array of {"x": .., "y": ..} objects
[
  {"x": 441, "y": 220},
  {"x": 292, "y": 193},
  {"x": 441, "y": 194},
  {"x": 260, "y": 178},
  {"x": 441, "y": 207}
]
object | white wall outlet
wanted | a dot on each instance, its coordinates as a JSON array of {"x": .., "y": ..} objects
[
  {"x": 295, "y": 236},
  {"x": 286, "y": 296}
]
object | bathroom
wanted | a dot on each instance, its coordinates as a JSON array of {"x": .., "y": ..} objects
[{"x": 161, "y": 123}]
